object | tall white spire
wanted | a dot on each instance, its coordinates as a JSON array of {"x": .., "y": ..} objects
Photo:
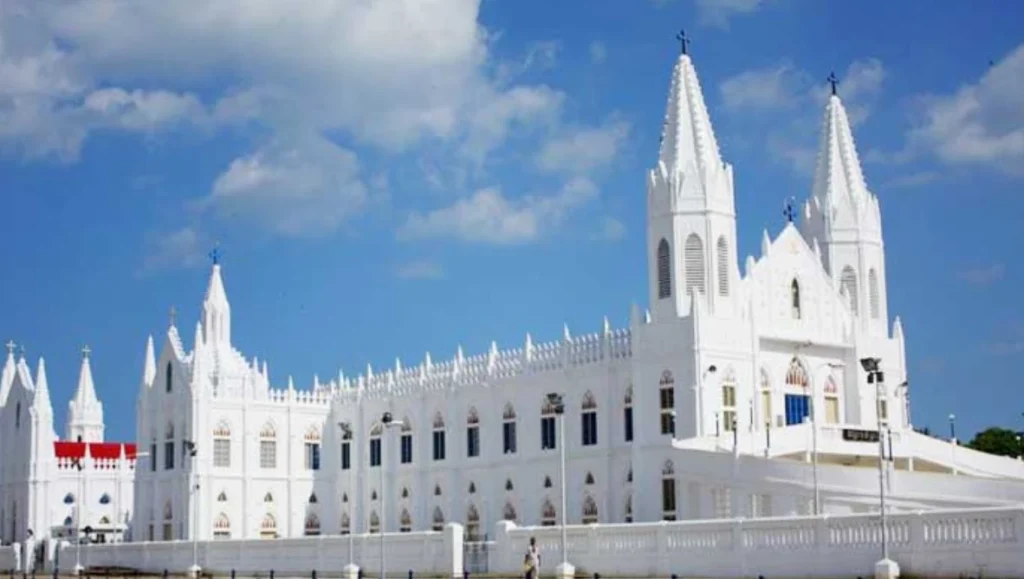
[
  {"x": 85, "y": 412},
  {"x": 216, "y": 309},
  {"x": 41, "y": 400},
  {"x": 687, "y": 140},
  {"x": 838, "y": 177},
  {"x": 149, "y": 368},
  {"x": 844, "y": 219},
  {"x": 7, "y": 374}
]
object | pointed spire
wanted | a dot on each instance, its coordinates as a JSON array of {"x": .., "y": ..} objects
[
  {"x": 86, "y": 392},
  {"x": 687, "y": 136},
  {"x": 265, "y": 372},
  {"x": 216, "y": 309},
  {"x": 369, "y": 372},
  {"x": 565, "y": 333},
  {"x": 398, "y": 366},
  {"x": 85, "y": 413},
  {"x": 198, "y": 342},
  {"x": 7, "y": 374},
  {"x": 838, "y": 175},
  {"x": 492, "y": 356},
  {"x": 42, "y": 396},
  {"x": 316, "y": 382},
  {"x": 766, "y": 243},
  {"x": 291, "y": 384},
  {"x": 149, "y": 366}
]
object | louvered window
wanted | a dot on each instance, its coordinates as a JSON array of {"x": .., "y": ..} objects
[
  {"x": 664, "y": 270},
  {"x": 848, "y": 288},
  {"x": 723, "y": 266},
  {"x": 693, "y": 253}
]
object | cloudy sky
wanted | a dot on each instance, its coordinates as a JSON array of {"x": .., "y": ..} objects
[{"x": 395, "y": 177}]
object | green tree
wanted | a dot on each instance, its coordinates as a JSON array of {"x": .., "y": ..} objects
[{"x": 995, "y": 440}]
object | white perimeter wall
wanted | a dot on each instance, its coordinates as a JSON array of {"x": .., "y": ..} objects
[{"x": 934, "y": 544}]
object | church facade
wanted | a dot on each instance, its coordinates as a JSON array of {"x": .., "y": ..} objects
[
  {"x": 78, "y": 487},
  {"x": 478, "y": 439}
]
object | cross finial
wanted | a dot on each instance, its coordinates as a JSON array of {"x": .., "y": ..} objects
[
  {"x": 86, "y": 350},
  {"x": 683, "y": 40},
  {"x": 832, "y": 80},
  {"x": 173, "y": 315},
  {"x": 789, "y": 211},
  {"x": 21, "y": 350},
  {"x": 10, "y": 346},
  {"x": 215, "y": 254}
]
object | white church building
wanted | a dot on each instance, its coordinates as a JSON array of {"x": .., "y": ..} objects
[
  {"x": 78, "y": 487},
  {"x": 741, "y": 392}
]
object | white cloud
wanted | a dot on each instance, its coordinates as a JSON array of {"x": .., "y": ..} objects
[
  {"x": 911, "y": 180},
  {"x": 612, "y": 229},
  {"x": 789, "y": 103},
  {"x": 489, "y": 217},
  {"x": 769, "y": 88},
  {"x": 581, "y": 150},
  {"x": 718, "y": 12},
  {"x": 981, "y": 124},
  {"x": 424, "y": 269},
  {"x": 302, "y": 186},
  {"x": 598, "y": 52},
  {"x": 983, "y": 276},
  {"x": 181, "y": 248}
]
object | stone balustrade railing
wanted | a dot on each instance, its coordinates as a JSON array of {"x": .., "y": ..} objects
[{"x": 935, "y": 544}]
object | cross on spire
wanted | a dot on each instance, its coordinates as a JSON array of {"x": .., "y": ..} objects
[
  {"x": 86, "y": 350},
  {"x": 683, "y": 40},
  {"x": 832, "y": 80},
  {"x": 789, "y": 211},
  {"x": 215, "y": 254},
  {"x": 10, "y": 346}
]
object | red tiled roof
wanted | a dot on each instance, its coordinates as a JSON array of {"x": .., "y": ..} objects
[
  {"x": 63, "y": 449},
  {"x": 107, "y": 450}
]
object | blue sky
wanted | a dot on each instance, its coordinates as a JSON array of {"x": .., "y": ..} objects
[{"x": 394, "y": 180}]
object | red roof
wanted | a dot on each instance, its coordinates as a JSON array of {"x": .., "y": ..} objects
[
  {"x": 69, "y": 449},
  {"x": 107, "y": 450}
]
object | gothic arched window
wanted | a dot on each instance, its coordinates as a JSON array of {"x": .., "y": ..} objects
[
  {"x": 664, "y": 259},
  {"x": 722, "y": 256},
  {"x": 693, "y": 253}
]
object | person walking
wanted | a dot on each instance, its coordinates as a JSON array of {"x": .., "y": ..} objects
[{"x": 531, "y": 563}]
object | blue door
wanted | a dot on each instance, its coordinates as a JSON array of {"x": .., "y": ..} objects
[{"x": 797, "y": 408}]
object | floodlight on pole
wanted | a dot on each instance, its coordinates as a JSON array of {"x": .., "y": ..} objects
[
  {"x": 351, "y": 570},
  {"x": 388, "y": 422},
  {"x": 872, "y": 366},
  {"x": 556, "y": 400}
]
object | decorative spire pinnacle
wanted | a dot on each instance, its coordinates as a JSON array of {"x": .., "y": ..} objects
[
  {"x": 149, "y": 368},
  {"x": 10, "y": 347},
  {"x": 85, "y": 413},
  {"x": 172, "y": 316},
  {"x": 838, "y": 176},
  {"x": 688, "y": 141},
  {"x": 42, "y": 394},
  {"x": 832, "y": 80},
  {"x": 683, "y": 40}
]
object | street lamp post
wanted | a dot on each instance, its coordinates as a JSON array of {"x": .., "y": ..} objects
[
  {"x": 190, "y": 447},
  {"x": 814, "y": 435},
  {"x": 77, "y": 463},
  {"x": 563, "y": 569},
  {"x": 351, "y": 570},
  {"x": 388, "y": 422},
  {"x": 886, "y": 568}
]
